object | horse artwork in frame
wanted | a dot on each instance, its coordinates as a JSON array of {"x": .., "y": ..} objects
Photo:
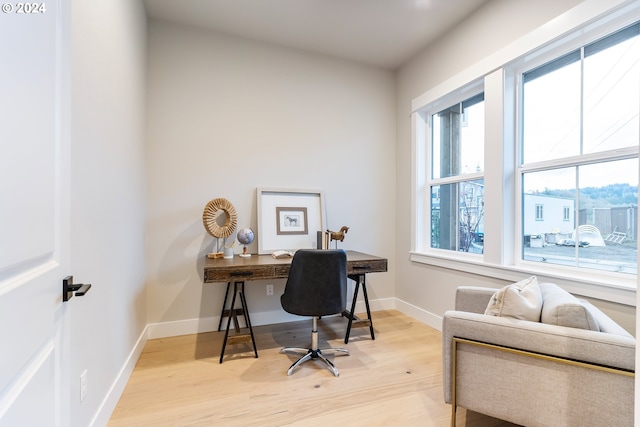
[{"x": 289, "y": 219}]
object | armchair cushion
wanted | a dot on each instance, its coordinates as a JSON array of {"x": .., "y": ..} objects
[
  {"x": 563, "y": 309},
  {"x": 605, "y": 323},
  {"x": 521, "y": 300}
]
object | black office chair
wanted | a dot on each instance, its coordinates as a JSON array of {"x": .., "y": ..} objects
[{"x": 317, "y": 286}]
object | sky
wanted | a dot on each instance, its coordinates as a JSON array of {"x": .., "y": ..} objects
[{"x": 552, "y": 130}]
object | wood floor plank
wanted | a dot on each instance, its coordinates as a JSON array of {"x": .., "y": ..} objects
[{"x": 395, "y": 380}]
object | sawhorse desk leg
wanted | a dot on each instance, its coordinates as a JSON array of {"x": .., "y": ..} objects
[
  {"x": 360, "y": 279},
  {"x": 232, "y": 312}
]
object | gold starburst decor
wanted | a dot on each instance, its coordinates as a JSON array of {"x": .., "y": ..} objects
[{"x": 212, "y": 211}]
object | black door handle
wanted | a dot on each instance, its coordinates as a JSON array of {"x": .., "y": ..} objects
[{"x": 68, "y": 288}]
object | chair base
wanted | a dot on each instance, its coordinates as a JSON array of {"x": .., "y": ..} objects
[
  {"x": 314, "y": 352},
  {"x": 310, "y": 354}
]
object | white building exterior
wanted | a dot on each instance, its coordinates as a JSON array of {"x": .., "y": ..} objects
[{"x": 548, "y": 214}]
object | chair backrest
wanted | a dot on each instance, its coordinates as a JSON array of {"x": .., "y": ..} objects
[{"x": 317, "y": 283}]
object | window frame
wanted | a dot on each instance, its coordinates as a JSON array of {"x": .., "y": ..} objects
[{"x": 499, "y": 76}]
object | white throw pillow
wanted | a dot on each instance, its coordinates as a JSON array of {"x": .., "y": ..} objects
[{"x": 522, "y": 300}]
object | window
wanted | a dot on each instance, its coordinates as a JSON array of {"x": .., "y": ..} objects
[
  {"x": 550, "y": 172},
  {"x": 580, "y": 129},
  {"x": 456, "y": 184}
]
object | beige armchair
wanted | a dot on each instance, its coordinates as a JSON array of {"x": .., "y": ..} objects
[{"x": 534, "y": 373}]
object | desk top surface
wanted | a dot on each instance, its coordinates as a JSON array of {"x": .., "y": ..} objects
[
  {"x": 258, "y": 267},
  {"x": 257, "y": 260}
]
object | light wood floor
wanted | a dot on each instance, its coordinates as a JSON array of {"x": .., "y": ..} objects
[{"x": 395, "y": 380}]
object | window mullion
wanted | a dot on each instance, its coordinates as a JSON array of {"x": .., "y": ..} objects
[{"x": 581, "y": 136}]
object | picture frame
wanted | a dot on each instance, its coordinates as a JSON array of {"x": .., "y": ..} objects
[{"x": 289, "y": 219}]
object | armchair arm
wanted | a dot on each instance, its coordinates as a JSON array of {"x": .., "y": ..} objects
[
  {"x": 473, "y": 299},
  {"x": 571, "y": 343}
]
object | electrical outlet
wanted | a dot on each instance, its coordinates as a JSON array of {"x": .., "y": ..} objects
[
  {"x": 83, "y": 385},
  {"x": 269, "y": 290}
]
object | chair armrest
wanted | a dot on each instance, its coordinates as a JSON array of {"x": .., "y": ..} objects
[{"x": 473, "y": 299}]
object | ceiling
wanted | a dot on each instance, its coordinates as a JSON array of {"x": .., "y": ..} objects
[{"x": 383, "y": 33}]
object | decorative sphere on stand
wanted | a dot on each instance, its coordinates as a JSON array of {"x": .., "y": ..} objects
[{"x": 245, "y": 236}]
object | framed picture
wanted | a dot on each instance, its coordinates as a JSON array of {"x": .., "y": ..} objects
[{"x": 289, "y": 219}]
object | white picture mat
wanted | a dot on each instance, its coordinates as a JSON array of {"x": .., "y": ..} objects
[{"x": 267, "y": 233}]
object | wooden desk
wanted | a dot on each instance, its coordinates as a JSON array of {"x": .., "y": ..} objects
[{"x": 264, "y": 267}]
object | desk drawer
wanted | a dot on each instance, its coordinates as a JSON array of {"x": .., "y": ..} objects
[
  {"x": 282, "y": 271},
  {"x": 232, "y": 274},
  {"x": 367, "y": 266}
]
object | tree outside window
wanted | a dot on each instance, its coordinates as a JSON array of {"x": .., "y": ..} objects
[{"x": 457, "y": 185}]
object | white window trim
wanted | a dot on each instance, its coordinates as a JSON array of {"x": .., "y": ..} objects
[
  {"x": 605, "y": 286},
  {"x": 501, "y": 258}
]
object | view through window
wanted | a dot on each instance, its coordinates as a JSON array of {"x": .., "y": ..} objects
[
  {"x": 457, "y": 185},
  {"x": 579, "y": 156}
]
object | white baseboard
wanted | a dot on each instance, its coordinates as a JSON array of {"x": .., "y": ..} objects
[
  {"x": 208, "y": 324},
  {"x": 110, "y": 401},
  {"x": 417, "y": 313}
]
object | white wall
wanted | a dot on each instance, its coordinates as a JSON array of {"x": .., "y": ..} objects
[
  {"x": 224, "y": 116},
  {"x": 430, "y": 290},
  {"x": 227, "y": 115},
  {"x": 107, "y": 199}
]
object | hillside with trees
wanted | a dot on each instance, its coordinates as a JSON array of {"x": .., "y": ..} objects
[{"x": 613, "y": 195}]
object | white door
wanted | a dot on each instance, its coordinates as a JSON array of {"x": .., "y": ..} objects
[{"x": 34, "y": 213}]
